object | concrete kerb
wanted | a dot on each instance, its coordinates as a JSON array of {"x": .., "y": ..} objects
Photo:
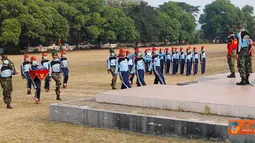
[{"x": 153, "y": 125}]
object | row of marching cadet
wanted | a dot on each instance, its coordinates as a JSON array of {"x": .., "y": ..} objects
[
  {"x": 34, "y": 73},
  {"x": 158, "y": 61}
]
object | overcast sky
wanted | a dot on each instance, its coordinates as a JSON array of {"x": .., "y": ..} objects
[{"x": 202, "y": 3}]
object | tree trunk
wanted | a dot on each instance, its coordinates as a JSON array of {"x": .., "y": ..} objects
[{"x": 99, "y": 41}]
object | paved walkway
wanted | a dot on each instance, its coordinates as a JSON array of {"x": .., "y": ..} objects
[{"x": 215, "y": 94}]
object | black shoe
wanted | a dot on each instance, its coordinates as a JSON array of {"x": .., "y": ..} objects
[
  {"x": 9, "y": 106},
  {"x": 247, "y": 81},
  {"x": 231, "y": 76},
  {"x": 58, "y": 98},
  {"x": 29, "y": 92},
  {"x": 243, "y": 82}
]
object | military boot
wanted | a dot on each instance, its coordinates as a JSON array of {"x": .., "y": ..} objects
[
  {"x": 9, "y": 106},
  {"x": 232, "y": 75},
  {"x": 58, "y": 95},
  {"x": 243, "y": 82},
  {"x": 29, "y": 91},
  {"x": 247, "y": 80},
  {"x": 58, "y": 98},
  {"x": 114, "y": 83}
]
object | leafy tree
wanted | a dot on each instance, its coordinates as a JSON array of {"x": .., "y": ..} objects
[
  {"x": 218, "y": 17},
  {"x": 121, "y": 28},
  {"x": 122, "y": 3},
  {"x": 249, "y": 20},
  {"x": 38, "y": 21},
  {"x": 189, "y": 8},
  {"x": 169, "y": 28},
  {"x": 10, "y": 31},
  {"x": 146, "y": 21},
  {"x": 183, "y": 23}
]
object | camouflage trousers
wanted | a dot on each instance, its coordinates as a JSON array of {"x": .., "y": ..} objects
[
  {"x": 6, "y": 84},
  {"x": 250, "y": 64},
  {"x": 244, "y": 63},
  {"x": 57, "y": 78},
  {"x": 231, "y": 62},
  {"x": 114, "y": 77}
]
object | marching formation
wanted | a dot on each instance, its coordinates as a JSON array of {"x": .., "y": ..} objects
[
  {"x": 128, "y": 65},
  {"x": 34, "y": 73}
]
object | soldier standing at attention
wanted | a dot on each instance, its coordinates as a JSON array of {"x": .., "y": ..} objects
[
  {"x": 177, "y": 60},
  {"x": 191, "y": 64},
  {"x": 122, "y": 68},
  {"x": 55, "y": 73},
  {"x": 6, "y": 82},
  {"x": 65, "y": 69},
  {"x": 162, "y": 60},
  {"x": 46, "y": 64},
  {"x": 182, "y": 61},
  {"x": 195, "y": 61},
  {"x": 111, "y": 65},
  {"x": 148, "y": 63},
  {"x": 243, "y": 55},
  {"x": 232, "y": 46},
  {"x": 251, "y": 52},
  {"x": 173, "y": 61},
  {"x": 167, "y": 61},
  {"x": 188, "y": 61},
  {"x": 25, "y": 67},
  {"x": 203, "y": 59}
]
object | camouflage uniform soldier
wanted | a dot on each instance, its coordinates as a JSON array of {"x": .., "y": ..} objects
[
  {"x": 251, "y": 52},
  {"x": 6, "y": 82},
  {"x": 243, "y": 56},
  {"x": 232, "y": 46},
  {"x": 10, "y": 63},
  {"x": 55, "y": 73},
  {"x": 111, "y": 67}
]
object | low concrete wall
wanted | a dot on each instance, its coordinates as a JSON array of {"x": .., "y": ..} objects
[{"x": 152, "y": 125}]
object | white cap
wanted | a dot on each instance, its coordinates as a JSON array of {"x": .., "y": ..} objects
[
  {"x": 246, "y": 37},
  {"x": 34, "y": 63},
  {"x": 156, "y": 52},
  {"x": 6, "y": 62}
]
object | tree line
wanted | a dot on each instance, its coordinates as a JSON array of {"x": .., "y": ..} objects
[
  {"x": 221, "y": 17},
  {"x": 35, "y": 22}
]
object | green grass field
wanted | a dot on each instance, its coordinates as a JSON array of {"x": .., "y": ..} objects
[{"x": 29, "y": 122}]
